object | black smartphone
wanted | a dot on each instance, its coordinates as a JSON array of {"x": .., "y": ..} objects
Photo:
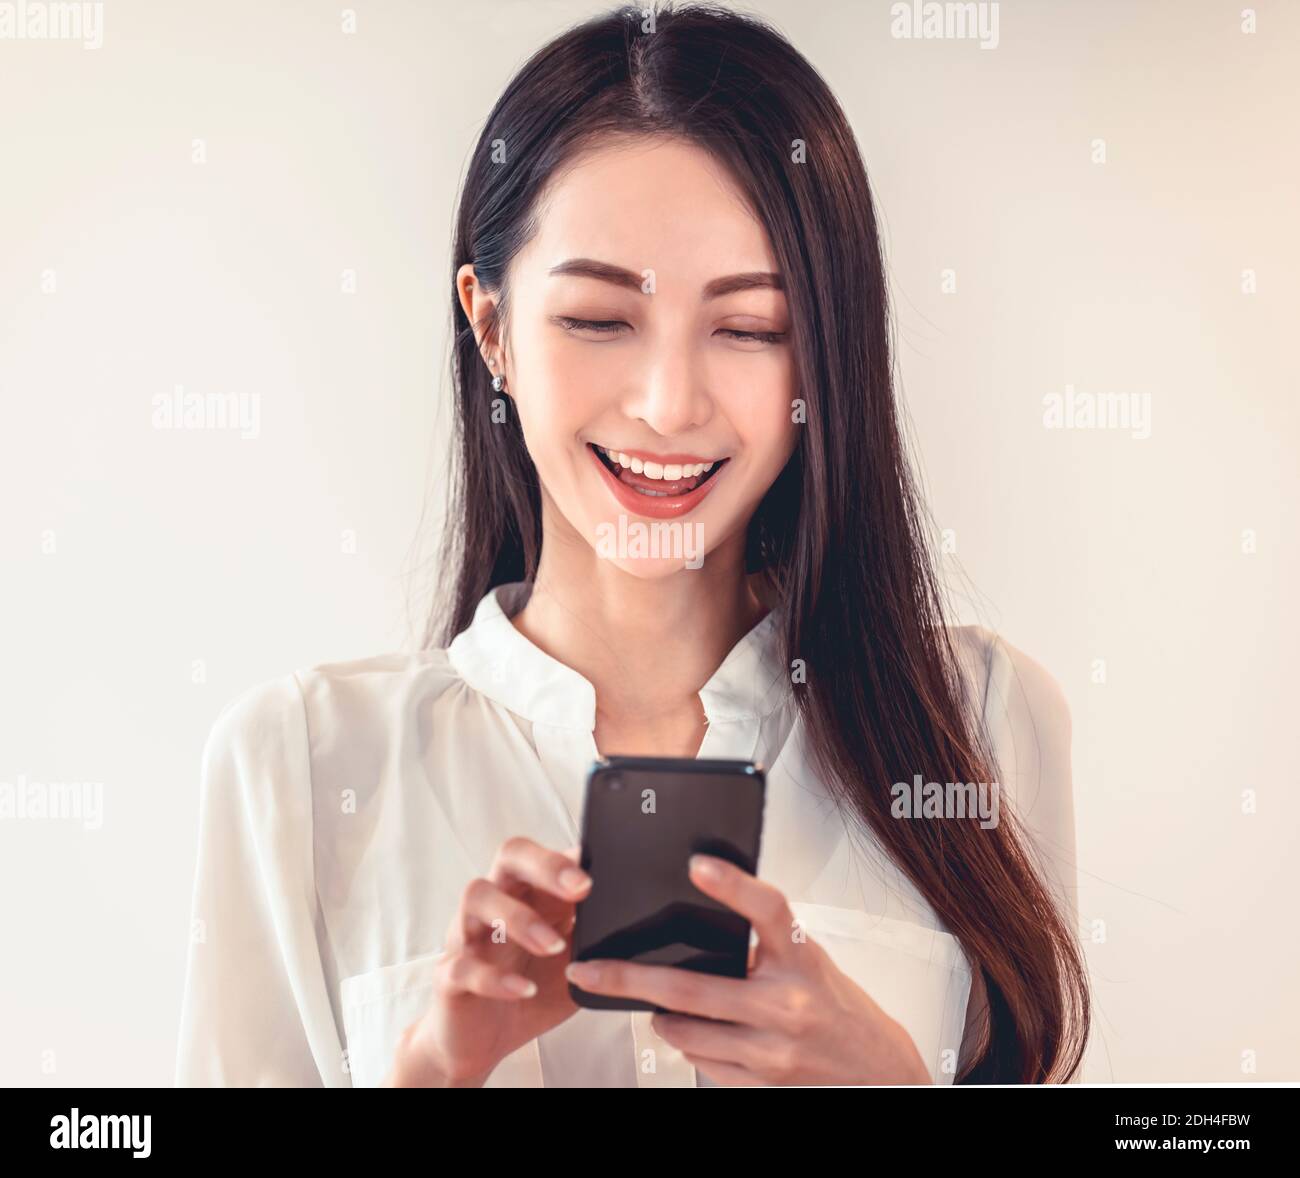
[{"x": 642, "y": 820}]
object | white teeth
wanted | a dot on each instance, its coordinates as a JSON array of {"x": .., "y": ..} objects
[{"x": 669, "y": 472}]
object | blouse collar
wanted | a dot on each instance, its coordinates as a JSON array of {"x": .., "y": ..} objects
[{"x": 495, "y": 659}]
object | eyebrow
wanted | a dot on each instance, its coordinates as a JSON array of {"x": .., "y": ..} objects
[{"x": 607, "y": 272}]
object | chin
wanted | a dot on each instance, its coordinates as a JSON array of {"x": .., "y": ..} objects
[
  {"x": 649, "y": 549},
  {"x": 657, "y": 568}
]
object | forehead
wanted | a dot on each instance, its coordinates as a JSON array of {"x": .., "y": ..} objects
[{"x": 663, "y": 204}]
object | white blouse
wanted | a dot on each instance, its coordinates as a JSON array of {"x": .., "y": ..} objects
[{"x": 343, "y": 810}]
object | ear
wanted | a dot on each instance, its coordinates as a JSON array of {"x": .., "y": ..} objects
[{"x": 479, "y": 307}]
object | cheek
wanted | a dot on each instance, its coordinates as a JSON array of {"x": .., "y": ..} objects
[
  {"x": 764, "y": 419},
  {"x": 555, "y": 401}
]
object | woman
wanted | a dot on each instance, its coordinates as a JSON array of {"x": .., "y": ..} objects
[{"x": 671, "y": 310}]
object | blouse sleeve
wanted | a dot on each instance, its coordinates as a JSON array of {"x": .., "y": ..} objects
[
  {"x": 1027, "y": 720},
  {"x": 256, "y": 1011}
]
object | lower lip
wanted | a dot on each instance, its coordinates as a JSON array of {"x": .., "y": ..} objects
[{"x": 653, "y": 506}]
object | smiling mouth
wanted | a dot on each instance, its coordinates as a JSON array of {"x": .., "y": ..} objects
[{"x": 655, "y": 480}]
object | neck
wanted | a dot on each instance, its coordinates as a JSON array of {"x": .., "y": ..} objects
[{"x": 646, "y": 645}]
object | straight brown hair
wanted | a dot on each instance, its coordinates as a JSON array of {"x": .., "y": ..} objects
[{"x": 840, "y": 534}]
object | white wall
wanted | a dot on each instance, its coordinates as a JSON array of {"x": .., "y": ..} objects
[{"x": 328, "y": 152}]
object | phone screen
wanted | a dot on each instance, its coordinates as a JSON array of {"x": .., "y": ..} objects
[{"x": 643, "y": 819}]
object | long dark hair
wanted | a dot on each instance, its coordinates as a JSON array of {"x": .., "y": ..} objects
[{"x": 841, "y": 533}]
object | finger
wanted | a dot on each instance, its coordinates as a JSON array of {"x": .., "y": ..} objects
[
  {"x": 756, "y": 1050},
  {"x": 762, "y": 903},
  {"x": 684, "y": 991},
  {"x": 489, "y": 917},
  {"x": 521, "y": 861},
  {"x": 468, "y": 973}
]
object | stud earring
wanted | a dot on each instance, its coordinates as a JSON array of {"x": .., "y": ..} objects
[{"x": 498, "y": 383}]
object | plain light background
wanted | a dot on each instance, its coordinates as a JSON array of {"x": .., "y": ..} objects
[{"x": 1154, "y": 577}]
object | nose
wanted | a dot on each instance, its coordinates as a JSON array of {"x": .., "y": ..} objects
[{"x": 671, "y": 397}]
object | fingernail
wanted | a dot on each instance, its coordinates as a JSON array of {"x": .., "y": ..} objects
[
  {"x": 704, "y": 867},
  {"x": 523, "y": 986},
  {"x": 545, "y": 937},
  {"x": 587, "y": 972},
  {"x": 574, "y": 879}
]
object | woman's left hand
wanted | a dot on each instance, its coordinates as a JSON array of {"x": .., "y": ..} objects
[{"x": 796, "y": 1019}]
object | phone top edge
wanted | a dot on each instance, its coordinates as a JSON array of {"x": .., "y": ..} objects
[{"x": 681, "y": 764}]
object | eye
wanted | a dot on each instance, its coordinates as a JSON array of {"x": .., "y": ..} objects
[
  {"x": 600, "y": 326},
  {"x": 762, "y": 337}
]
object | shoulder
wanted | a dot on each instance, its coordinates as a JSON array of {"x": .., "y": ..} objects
[
  {"x": 260, "y": 720},
  {"x": 372, "y": 699},
  {"x": 1025, "y": 719},
  {"x": 287, "y": 719},
  {"x": 1012, "y": 694}
]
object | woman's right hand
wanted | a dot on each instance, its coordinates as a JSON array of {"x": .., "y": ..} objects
[{"x": 496, "y": 947}]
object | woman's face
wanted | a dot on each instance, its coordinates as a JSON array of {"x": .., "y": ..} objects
[{"x": 646, "y": 319}]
